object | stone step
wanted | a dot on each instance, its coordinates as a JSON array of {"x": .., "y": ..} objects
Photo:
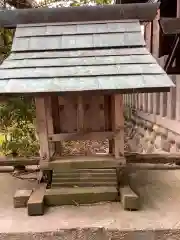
[
  {"x": 84, "y": 179},
  {"x": 66, "y": 164},
  {"x": 82, "y": 195},
  {"x": 82, "y": 184},
  {"x": 85, "y": 172}
]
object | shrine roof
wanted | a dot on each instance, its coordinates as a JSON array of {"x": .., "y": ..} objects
[{"x": 86, "y": 56}]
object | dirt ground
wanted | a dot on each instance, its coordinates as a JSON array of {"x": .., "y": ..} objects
[{"x": 159, "y": 217}]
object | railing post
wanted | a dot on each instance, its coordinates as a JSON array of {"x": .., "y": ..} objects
[
  {"x": 155, "y": 53},
  {"x": 178, "y": 97},
  {"x": 171, "y": 101}
]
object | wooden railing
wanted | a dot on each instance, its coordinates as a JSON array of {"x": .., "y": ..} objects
[{"x": 160, "y": 108}]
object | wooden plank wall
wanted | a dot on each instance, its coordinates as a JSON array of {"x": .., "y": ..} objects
[
  {"x": 162, "y": 104},
  {"x": 77, "y": 114}
]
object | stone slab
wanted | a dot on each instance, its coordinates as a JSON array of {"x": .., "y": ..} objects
[
  {"x": 129, "y": 199},
  {"x": 35, "y": 203},
  {"x": 80, "y": 162},
  {"x": 82, "y": 195},
  {"x": 83, "y": 184},
  {"x": 21, "y": 198}
]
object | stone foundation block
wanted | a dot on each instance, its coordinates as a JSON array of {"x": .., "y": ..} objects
[
  {"x": 129, "y": 199},
  {"x": 21, "y": 198},
  {"x": 36, "y": 201}
]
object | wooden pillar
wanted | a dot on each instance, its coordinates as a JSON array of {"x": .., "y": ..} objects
[
  {"x": 126, "y": 100},
  {"x": 133, "y": 100},
  {"x": 156, "y": 103},
  {"x": 139, "y": 101},
  {"x": 145, "y": 102},
  {"x": 44, "y": 125},
  {"x": 155, "y": 36},
  {"x": 178, "y": 97},
  {"x": 148, "y": 35},
  {"x": 163, "y": 95},
  {"x": 136, "y": 100},
  {"x": 150, "y": 103},
  {"x": 118, "y": 125},
  {"x": 155, "y": 53},
  {"x": 178, "y": 8},
  {"x": 129, "y": 96},
  {"x": 177, "y": 77},
  {"x": 80, "y": 114},
  {"x": 56, "y": 122},
  {"x": 171, "y": 101},
  {"x": 163, "y": 104}
]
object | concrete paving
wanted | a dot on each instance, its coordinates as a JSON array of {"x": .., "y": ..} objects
[{"x": 159, "y": 217}]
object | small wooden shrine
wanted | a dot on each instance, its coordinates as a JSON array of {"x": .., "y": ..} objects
[{"x": 78, "y": 73}]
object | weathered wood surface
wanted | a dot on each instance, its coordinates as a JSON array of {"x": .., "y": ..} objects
[
  {"x": 50, "y": 127},
  {"x": 83, "y": 195},
  {"x": 78, "y": 114},
  {"x": 151, "y": 166},
  {"x": 19, "y": 161},
  {"x": 153, "y": 158},
  {"x": 82, "y": 136},
  {"x": 118, "y": 127},
  {"x": 143, "y": 12},
  {"x": 11, "y": 169},
  {"x": 42, "y": 130},
  {"x": 170, "y": 26}
]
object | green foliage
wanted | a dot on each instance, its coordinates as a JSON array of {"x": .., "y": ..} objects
[
  {"x": 73, "y": 3},
  {"x": 6, "y": 36},
  {"x": 17, "y": 128}
]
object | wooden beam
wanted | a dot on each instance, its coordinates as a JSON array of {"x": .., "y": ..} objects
[
  {"x": 19, "y": 161},
  {"x": 141, "y": 11},
  {"x": 80, "y": 114},
  {"x": 82, "y": 136},
  {"x": 150, "y": 166},
  {"x": 152, "y": 158},
  {"x": 7, "y": 164},
  {"x": 170, "y": 26},
  {"x": 69, "y": 163}
]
